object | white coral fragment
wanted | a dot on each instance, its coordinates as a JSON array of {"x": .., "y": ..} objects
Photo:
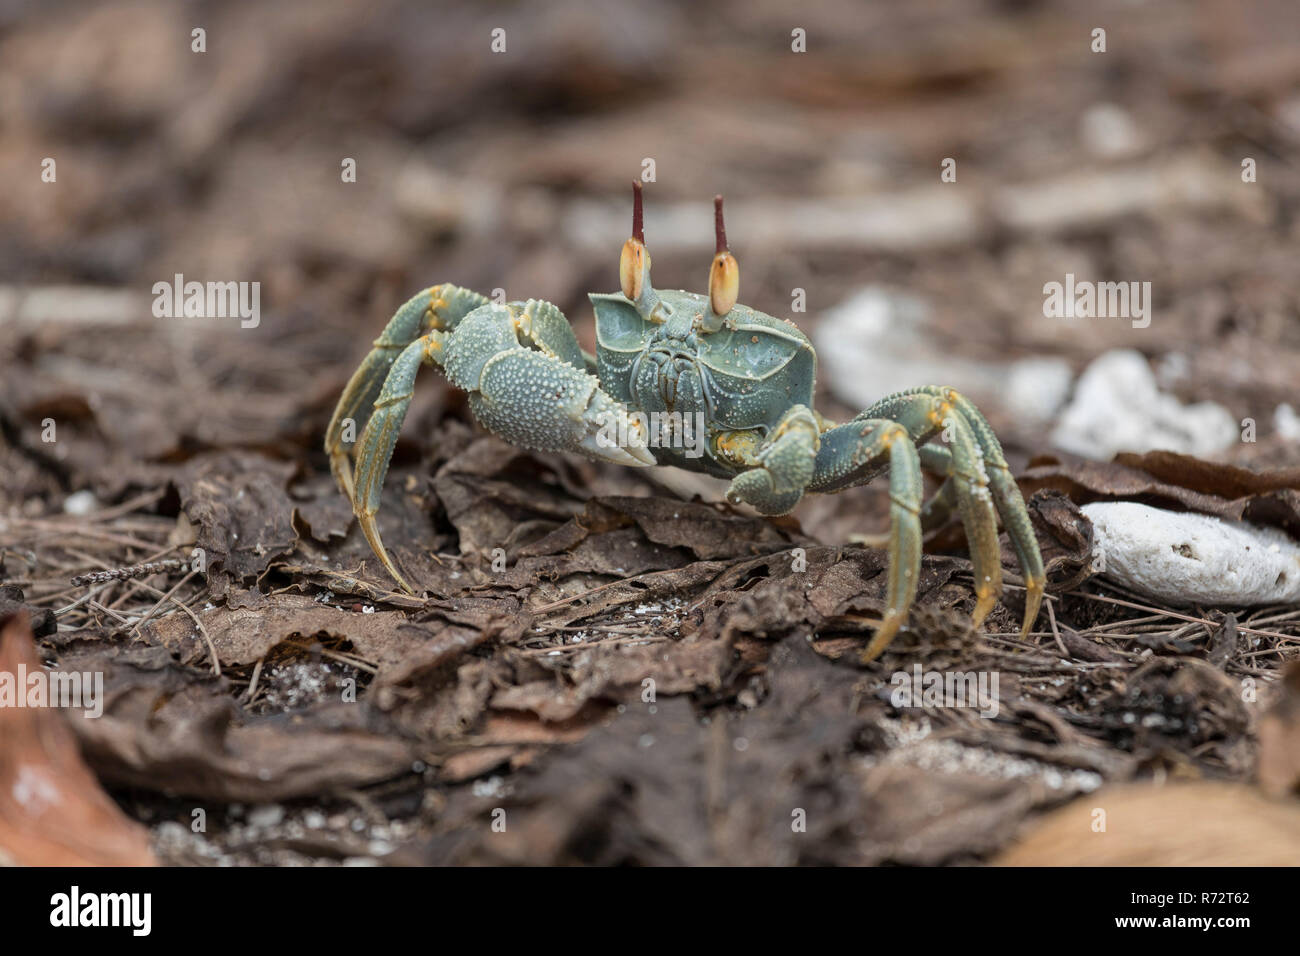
[
  {"x": 1182, "y": 558},
  {"x": 1118, "y": 406}
]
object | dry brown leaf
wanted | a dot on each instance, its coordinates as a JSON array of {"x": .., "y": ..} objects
[
  {"x": 189, "y": 745},
  {"x": 1176, "y": 482},
  {"x": 1183, "y": 824},
  {"x": 53, "y": 811},
  {"x": 1279, "y": 739},
  {"x": 179, "y": 730},
  {"x": 242, "y": 514},
  {"x": 617, "y": 672}
]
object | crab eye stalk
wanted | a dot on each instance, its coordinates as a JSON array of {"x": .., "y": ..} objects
[
  {"x": 634, "y": 262},
  {"x": 724, "y": 274}
]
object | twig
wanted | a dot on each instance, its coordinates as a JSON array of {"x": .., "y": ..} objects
[
  {"x": 121, "y": 619},
  {"x": 130, "y": 571},
  {"x": 1181, "y": 617},
  {"x": 80, "y": 601},
  {"x": 1056, "y": 631},
  {"x": 126, "y": 507},
  {"x": 176, "y": 587},
  {"x": 357, "y": 662},
  {"x": 252, "y": 684},
  {"x": 586, "y": 645},
  {"x": 212, "y": 650}
]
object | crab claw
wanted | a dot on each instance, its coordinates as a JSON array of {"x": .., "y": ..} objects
[
  {"x": 536, "y": 400},
  {"x": 612, "y": 435}
]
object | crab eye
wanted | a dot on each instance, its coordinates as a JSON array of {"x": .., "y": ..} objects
[
  {"x": 724, "y": 283},
  {"x": 634, "y": 262},
  {"x": 632, "y": 266},
  {"x": 724, "y": 274}
]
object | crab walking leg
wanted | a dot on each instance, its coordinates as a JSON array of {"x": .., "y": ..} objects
[
  {"x": 863, "y": 447},
  {"x": 1006, "y": 496},
  {"x": 937, "y": 460},
  {"x": 1010, "y": 503},
  {"x": 380, "y": 435},
  {"x": 784, "y": 465},
  {"x": 437, "y": 308},
  {"x": 525, "y": 381},
  {"x": 936, "y": 512},
  {"x": 924, "y": 416},
  {"x": 939, "y": 507}
]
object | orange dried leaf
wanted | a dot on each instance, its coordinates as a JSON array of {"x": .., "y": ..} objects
[{"x": 53, "y": 811}]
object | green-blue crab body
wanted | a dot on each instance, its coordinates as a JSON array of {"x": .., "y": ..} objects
[
  {"x": 697, "y": 381},
  {"x": 743, "y": 377}
]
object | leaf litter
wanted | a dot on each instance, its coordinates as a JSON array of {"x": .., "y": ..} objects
[{"x": 646, "y": 680}]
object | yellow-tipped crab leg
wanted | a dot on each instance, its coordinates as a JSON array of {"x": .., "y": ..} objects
[
  {"x": 852, "y": 454},
  {"x": 1010, "y": 504},
  {"x": 919, "y": 408},
  {"x": 380, "y": 435},
  {"x": 437, "y": 308},
  {"x": 527, "y": 382}
]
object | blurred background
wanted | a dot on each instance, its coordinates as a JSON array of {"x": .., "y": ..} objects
[{"x": 511, "y": 169}]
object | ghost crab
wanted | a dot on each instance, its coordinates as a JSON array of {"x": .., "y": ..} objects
[{"x": 747, "y": 376}]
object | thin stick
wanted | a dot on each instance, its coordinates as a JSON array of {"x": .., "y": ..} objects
[
  {"x": 110, "y": 612},
  {"x": 126, "y": 507},
  {"x": 212, "y": 650},
  {"x": 1127, "y": 622},
  {"x": 71, "y": 531},
  {"x": 1181, "y": 617},
  {"x": 609, "y": 584},
  {"x": 357, "y": 662},
  {"x": 176, "y": 587},
  {"x": 1056, "y": 632},
  {"x": 584, "y": 645},
  {"x": 252, "y": 684},
  {"x": 81, "y": 600}
]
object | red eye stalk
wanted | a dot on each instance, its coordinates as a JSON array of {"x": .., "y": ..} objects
[
  {"x": 638, "y": 224},
  {"x": 634, "y": 261}
]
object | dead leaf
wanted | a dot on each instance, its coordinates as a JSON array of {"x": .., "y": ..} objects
[
  {"x": 1279, "y": 739},
  {"x": 53, "y": 811},
  {"x": 173, "y": 730},
  {"x": 242, "y": 513},
  {"x": 1181, "y": 824},
  {"x": 618, "y": 672},
  {"x": 657, "y": 785},
  {"x": 1175, "y": 482}
]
